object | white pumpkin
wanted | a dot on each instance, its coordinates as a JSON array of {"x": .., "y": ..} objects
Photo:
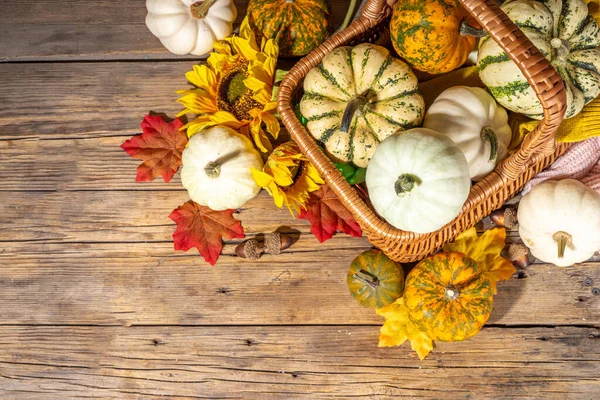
[
  {"x": 566, "y": 36},
  {"x": 190, "y": 26},
  {"x": 560, "y": 222},
  {"x": 216, "y": 168},
  {"x": 476, "y": 123},
  {"x": 356, "y": 98},
  {"x": 418, "y": 180}
]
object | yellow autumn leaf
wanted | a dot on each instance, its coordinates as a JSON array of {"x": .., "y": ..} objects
[
  {"x": 398, "y": 328},
  {"x": 485, "y": 250}
]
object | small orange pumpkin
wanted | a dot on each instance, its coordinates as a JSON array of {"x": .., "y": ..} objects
[
  {"x": 375, "y": 280},
  {"x": 300, "y": 25},
  {"x": 427, "y": 34},
  {"x": 448, "y": 296}
]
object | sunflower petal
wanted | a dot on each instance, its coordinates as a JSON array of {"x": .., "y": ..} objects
[{"x": 271, "y": 123}]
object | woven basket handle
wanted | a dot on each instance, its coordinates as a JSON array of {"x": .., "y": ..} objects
[{"x": 543, "y": 78}]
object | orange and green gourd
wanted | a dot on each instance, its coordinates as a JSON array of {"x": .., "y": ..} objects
[
  {"x": 449, "y": 296},
  {"x": 299, "y": 25},
  {"x": 432, "y": 35},
  {"x": 375, "y": 280}
]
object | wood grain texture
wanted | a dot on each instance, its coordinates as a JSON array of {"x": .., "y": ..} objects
[
  {"x": 77, "y": 30},
  {"x": 149, "y": 283},
  {"x": 293, "y": 362}
]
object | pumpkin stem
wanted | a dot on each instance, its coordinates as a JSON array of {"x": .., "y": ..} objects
[
  {"x": 348, "y": 17},
  {"x": 452, "y": 293},
  {"x": 468, "y": 30},
  {"x": 200, "y": 9},
  {"x": 562, "y": 48},
  {"x": 367, "y": 278},
  {"x": 353, "y": 105},
  {"x": 213, "y": 169},
  {"x": 562, "y": 239},
  {"x": 489, "y": 136},
  {"x": 404, "y": 184}
]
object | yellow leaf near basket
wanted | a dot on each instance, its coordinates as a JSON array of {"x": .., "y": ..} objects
[
  {"x": 398, "y": 328},
  {"x": 485, "y": 250}
]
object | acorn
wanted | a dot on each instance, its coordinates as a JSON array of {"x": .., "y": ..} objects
[
  {"x": 274, "y": 243},
  {"x": 519, "y": 255},
  {"x": 506, "y": 217}
]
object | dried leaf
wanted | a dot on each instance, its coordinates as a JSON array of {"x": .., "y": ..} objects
[
  {"x": 159, "y": 147},
  {"x": 200, "y": 227},
  {"x": 485, "y": 250},
  {"x": 327, "y": 215},
  {"x": 398, "y": 328}
]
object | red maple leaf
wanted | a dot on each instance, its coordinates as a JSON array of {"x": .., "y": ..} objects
[
  {"x": 200, "y": 227},
  {"x": 159, "y": 147},
  {"x": 327, "y": 215}
]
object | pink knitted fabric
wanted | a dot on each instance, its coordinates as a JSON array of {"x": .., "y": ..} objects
[{"x": 581, "y": 161}]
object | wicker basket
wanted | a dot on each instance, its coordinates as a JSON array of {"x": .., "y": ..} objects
[{"x": 537, "y": 151}]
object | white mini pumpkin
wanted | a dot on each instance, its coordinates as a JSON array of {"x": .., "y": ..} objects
[
  {"x": 216, "y": 168},
  {"x": 418, "y": 180},
  {"x": 476, "y": 123},
  {"x": 566, "y": 35},
  {"x": 190, "y": 26},
  {"x": 560, "y": 222},
  {"x": 356, "y": 98}
]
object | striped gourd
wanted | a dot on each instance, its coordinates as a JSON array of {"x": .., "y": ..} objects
[
  {"x": 356, "y": 98},
  {"x": 299, "y": 25},
  {"x": 567, "y": 36}
]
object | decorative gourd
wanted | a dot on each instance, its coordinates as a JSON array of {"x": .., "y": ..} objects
[
  {"x": 356, "y": 98},
  {"x": 374, "y": 280},
  {"x": 560, "y": 222},
  {"x": 448, "y": 296},
  {"x": 190, "y": 26},
  {"x": 476, "y": 123},
  {"x": 300, "y": 25},
  {"x": 216, "y": 168},
  {"x": 566, "y": 36},
  {"x": 418, "y": 180},
  {"x": 431, "y": 34}
]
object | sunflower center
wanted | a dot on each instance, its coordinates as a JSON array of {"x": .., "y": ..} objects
[
  {"x": 233, "y": 95},
  {"x": 236, "y": 87},
  {"x": 298, "y": 172}
]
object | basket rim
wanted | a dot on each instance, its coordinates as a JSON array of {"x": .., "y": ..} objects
[{"x": 538, "y": 144}]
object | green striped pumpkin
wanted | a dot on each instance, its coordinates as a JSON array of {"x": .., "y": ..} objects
[
  {"x": 356, "y": 98},
  {"x": 566, "y": 35}
]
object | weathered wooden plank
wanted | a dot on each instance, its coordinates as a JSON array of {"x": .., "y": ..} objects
[
  {"x": 48, "y": 30},
  {"x": 87, "y": 163},
  {"x": 119, "y": 216},
  {"x": 150, "y": 283},
  {"x": 81, "y": 100},
  {"x": 292, "y": 362}
]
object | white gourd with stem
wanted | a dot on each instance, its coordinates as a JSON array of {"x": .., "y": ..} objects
[
  {"x": 560, "y": 222},
  {"x": 418, "y": 180},
  {"x": 190, "y": 26},
  {"x": 476, "y": 123},
  {"x": 216, "y": 168}
]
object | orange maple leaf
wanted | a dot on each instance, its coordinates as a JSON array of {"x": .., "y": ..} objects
[
  {"x": 159, "y": 147},
  {"x": 200, "y": 227}
]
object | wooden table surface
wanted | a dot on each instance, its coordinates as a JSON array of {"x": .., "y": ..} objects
[{"x": 94, "y": 301}]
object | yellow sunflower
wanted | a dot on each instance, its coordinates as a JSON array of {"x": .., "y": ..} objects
[
  {"x": 235, "y": 88},
  {"x": 288, "y": 176}
]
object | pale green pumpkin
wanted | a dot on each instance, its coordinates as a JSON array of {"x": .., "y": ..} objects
[{"x": 566, "y": 35}]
